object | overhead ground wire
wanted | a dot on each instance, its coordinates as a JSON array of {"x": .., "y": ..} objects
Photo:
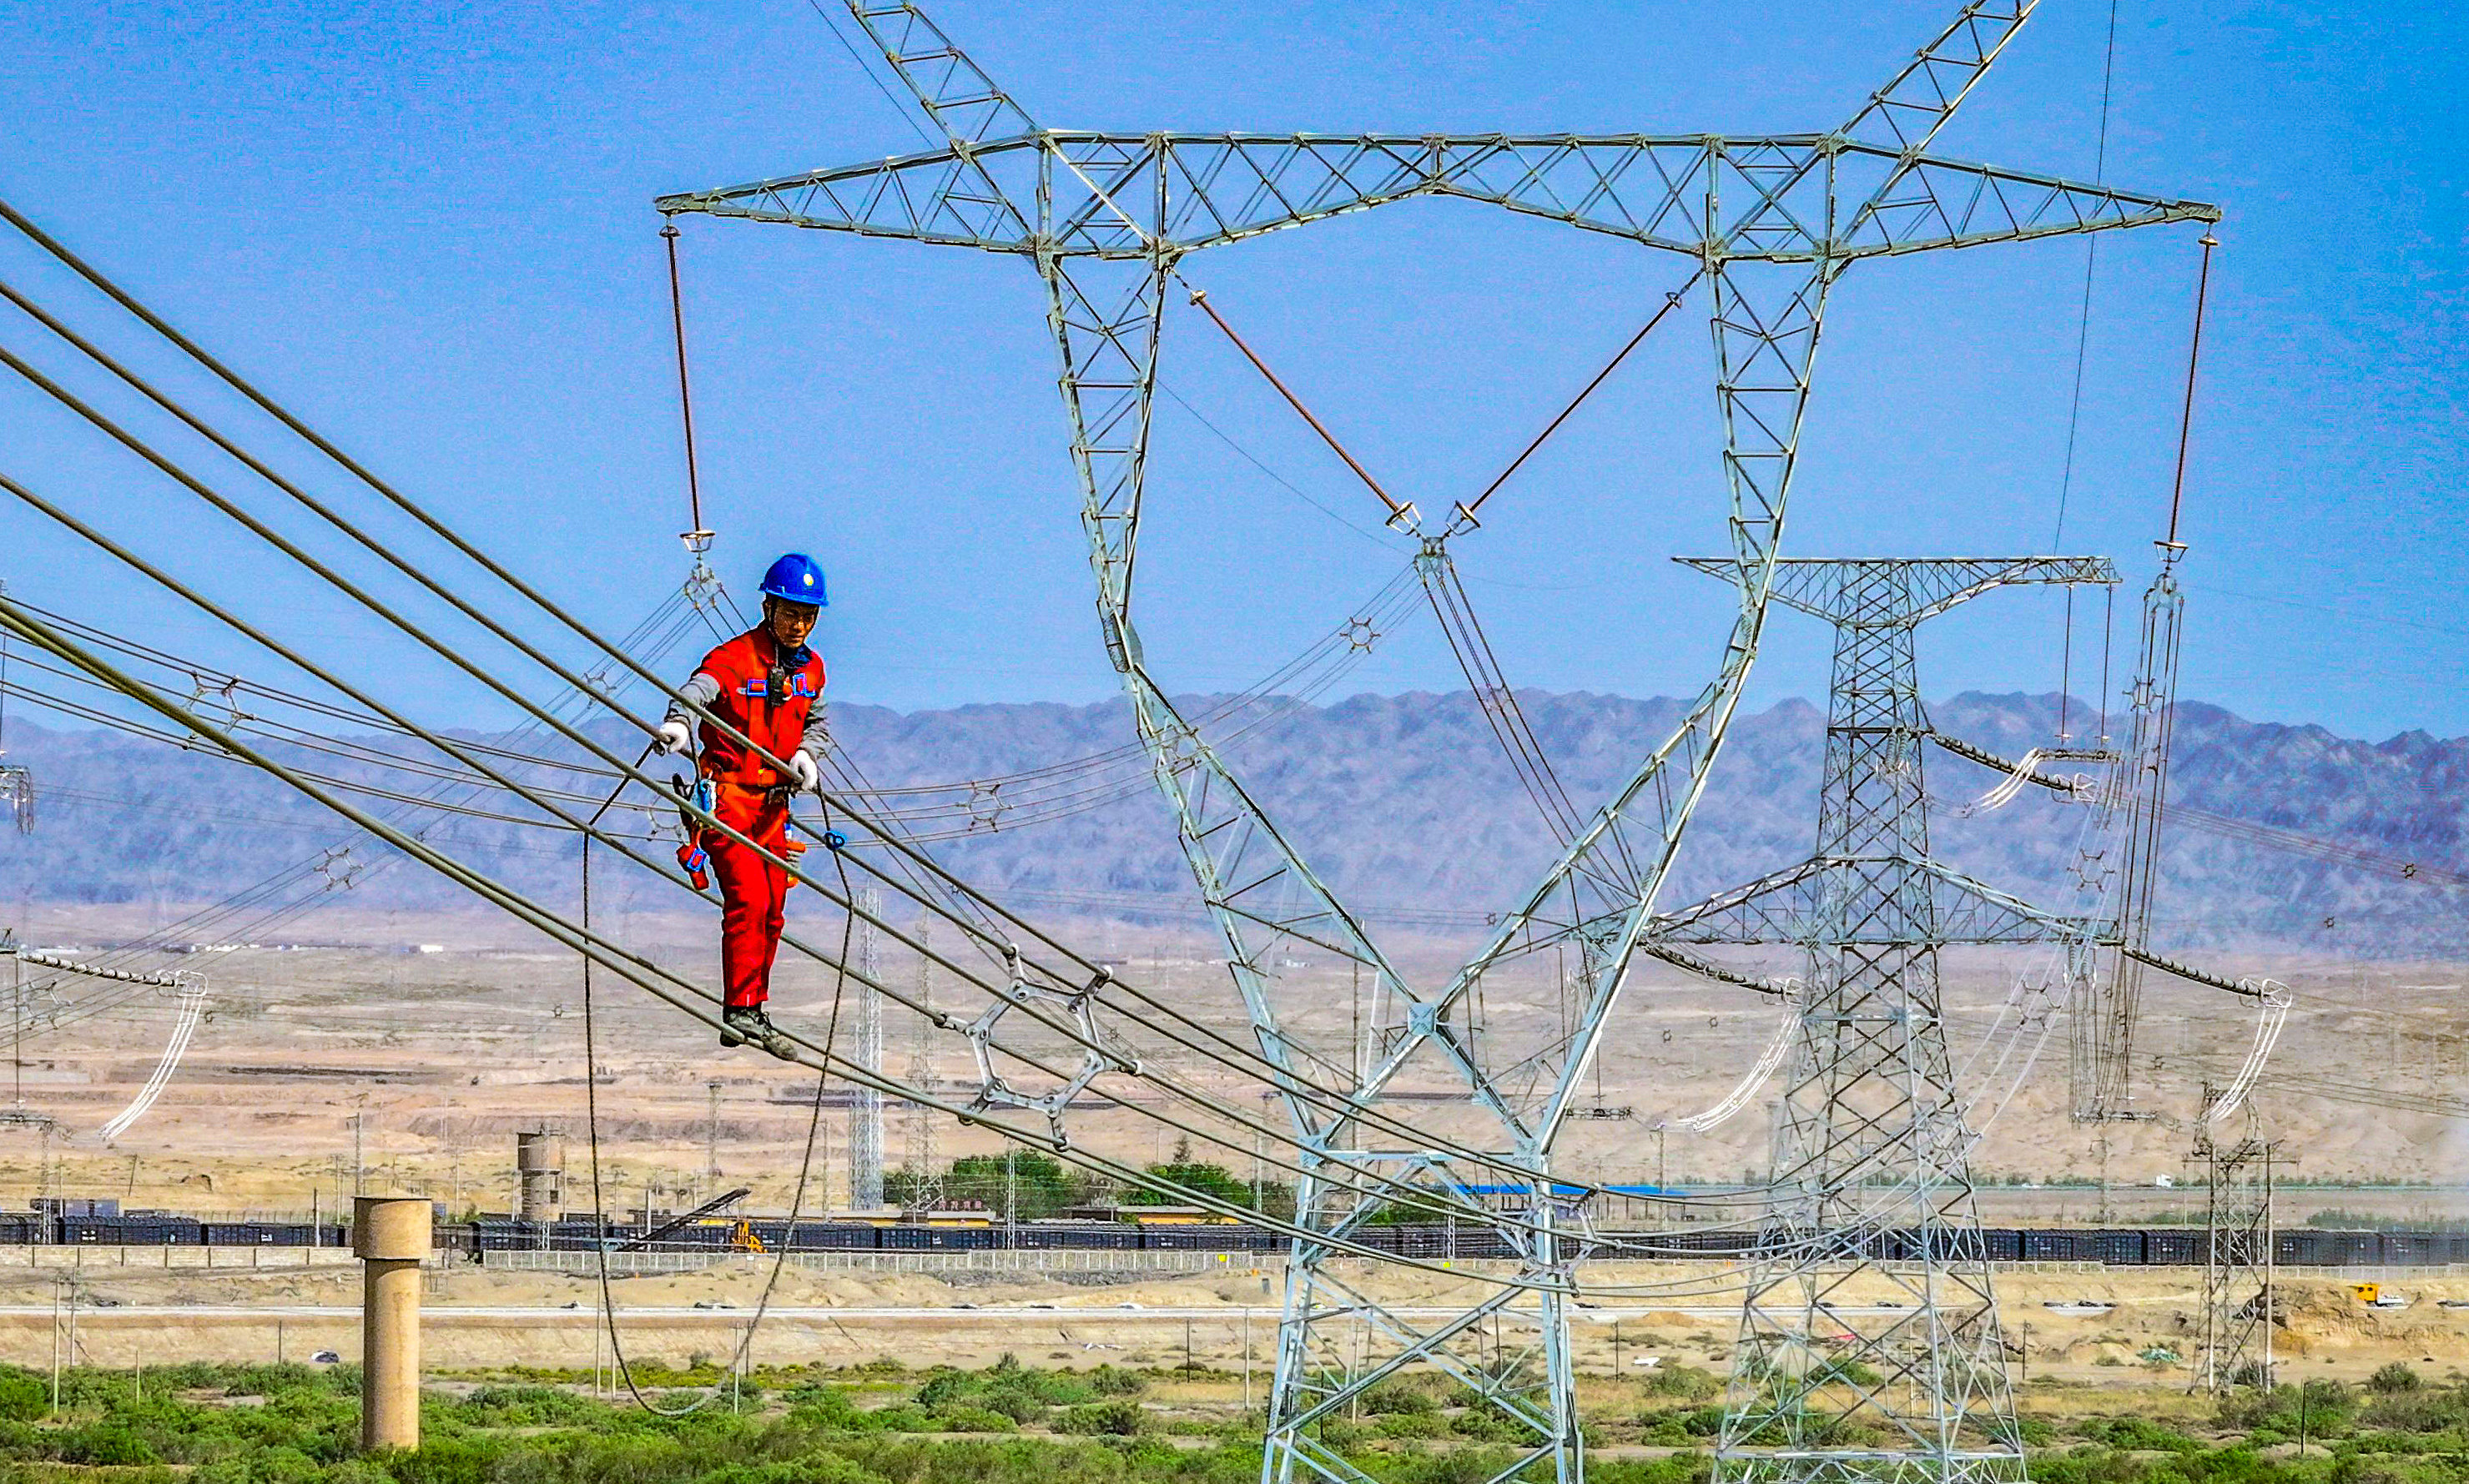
[
  {"x": 461, "y": 545},
  {"x": 648, "y": 976},
  {"x": 1235, "y": 1116},
  {"x": 333, "y": 518}
]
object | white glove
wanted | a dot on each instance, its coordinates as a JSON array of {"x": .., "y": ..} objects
[
  {"x": 673, "y": 737},
  {"x": 802, "y": 766}
]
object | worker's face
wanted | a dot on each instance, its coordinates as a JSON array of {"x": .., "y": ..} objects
[{"x": 791, "y": 622}]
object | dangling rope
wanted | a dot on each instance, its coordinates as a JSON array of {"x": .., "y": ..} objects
[
  {"x": 2186, "y": 413},
  {"x": 1403, "y": 517},
  {"x": 591, "y": 1116},
  {"x": 1671, "y": 302}
]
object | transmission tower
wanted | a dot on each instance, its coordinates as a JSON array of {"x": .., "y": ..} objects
[
  {"x": 1108, "y": 222},
  {"x": 1870, "y": 1345},
  {"x": 925, "y": 1181},
  {"x": 2235, "y": 1345},
  {"x": 865, "y": 1104}
]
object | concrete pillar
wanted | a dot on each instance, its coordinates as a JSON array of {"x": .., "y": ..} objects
[
  {"x": 390, "y": 1236},
  {"x": 540, "y": 1176}
]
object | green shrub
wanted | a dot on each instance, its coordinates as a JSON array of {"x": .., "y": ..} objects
[
  {"x": 107, "y": 1443},
  {"x": 1106, "y": 1381},
  {"x": 963, "y": 1418},
  {"x": 527, "y": 1407},
  {"x": 1016, "y": 1404},
  {"x": 815, "y": 1469},
  {"x": 2416, "y": 1411},
  {"x": 1398, "y": 1397},
  {"x": 903, "y": 1418},
  {"x": 2140, "y": 1435},
  {"x": 944, "y": 1385},
  {"x": 1487, "y": 1424},
  {"x": 2393, "y": 1378},
  {"x": 1847, "y": 1373},
  {"x": 1688, "y": 1467},
  {"x": 1685, "y": 1382},
  {"x": 1116, "y": 1419},
  {"x": 24, "y": 1396},
  {"x": 824, "y": 1409}
]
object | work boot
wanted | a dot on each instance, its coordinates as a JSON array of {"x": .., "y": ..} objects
[{"x": 740, "y": 1024}]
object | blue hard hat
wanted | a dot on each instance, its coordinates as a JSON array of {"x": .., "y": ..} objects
[{"x": 795, "y": 579}]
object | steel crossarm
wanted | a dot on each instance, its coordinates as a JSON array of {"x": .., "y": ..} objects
[
  {"x": 1972, "y": 911},
  {"x": 1773, "y": 909},
  {"x": 1735, "y": 198},
  {"x": 1779, "y": 910},
  {"x": 1816, "y": 587}
]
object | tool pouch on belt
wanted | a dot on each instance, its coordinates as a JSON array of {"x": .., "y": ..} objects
[{"x": 691, "y": 856}]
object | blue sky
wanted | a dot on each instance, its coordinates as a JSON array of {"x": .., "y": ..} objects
[{"x": 428, "y": 228}]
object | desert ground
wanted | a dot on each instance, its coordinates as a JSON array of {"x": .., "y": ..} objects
[
  {"x": 425, "y": 1042},
  {"x": 403, "y": 1052},
  {"x": 148, "y": 1310}
]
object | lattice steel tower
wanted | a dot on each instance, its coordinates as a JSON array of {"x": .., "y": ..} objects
[
  {"x": 1109, "y": 222},
  {"x": 1870, "y": 1346},
  {"x": 2233, "y": 1345},
  {"x": 865, "y": 1104}
]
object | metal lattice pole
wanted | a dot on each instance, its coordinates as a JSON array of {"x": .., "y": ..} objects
[
  {"x": 2235, "y": 1342},
  {"x": 917, "y": 1158},
  {"x": 1870, "y": 1343},
  {"x": 865, "y": 1104}
]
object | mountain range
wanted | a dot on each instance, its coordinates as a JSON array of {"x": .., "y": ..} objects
[{"x": 1404, "y": 804}]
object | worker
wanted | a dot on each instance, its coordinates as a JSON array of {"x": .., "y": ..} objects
[{"x": 766, "y": 684}]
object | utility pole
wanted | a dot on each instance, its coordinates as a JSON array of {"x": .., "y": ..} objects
[
  {"x": 1258, "y": 1152},
  {"x": 17, "y": 1030}
]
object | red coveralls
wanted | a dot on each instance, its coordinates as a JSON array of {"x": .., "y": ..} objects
[{"x": 752, "y": 797}]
